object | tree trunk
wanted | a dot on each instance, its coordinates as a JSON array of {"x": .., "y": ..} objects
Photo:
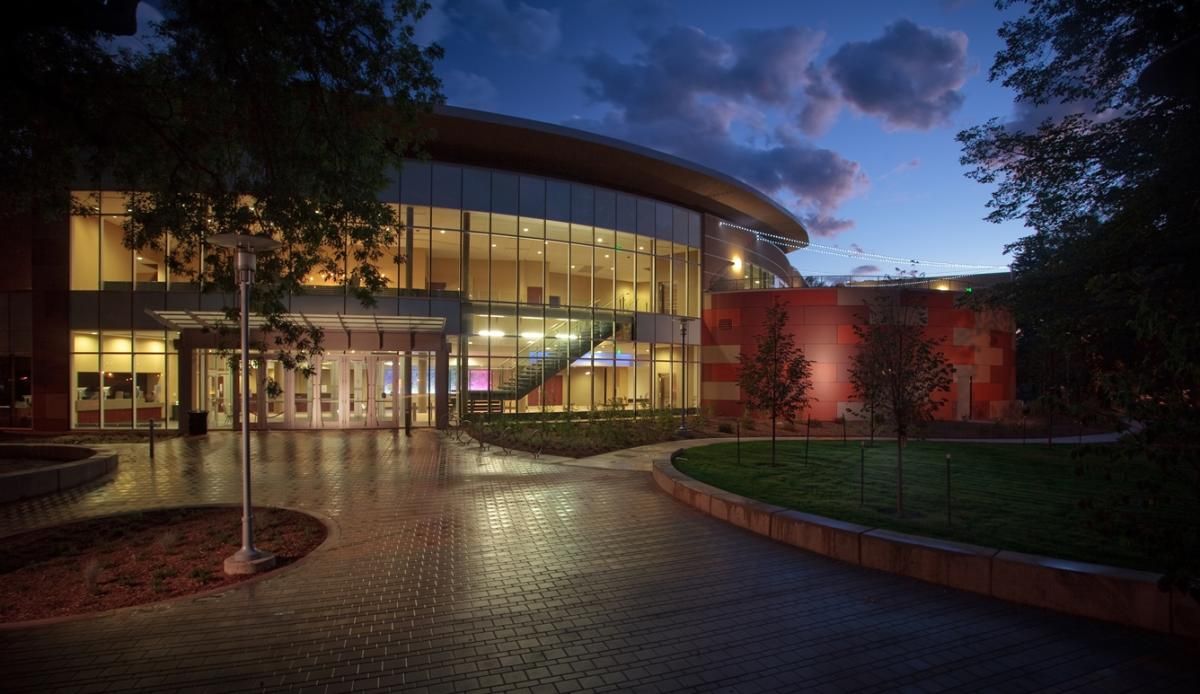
[
  {"x": 773, "y": 461},
  {"x": 899, "y": 476}
]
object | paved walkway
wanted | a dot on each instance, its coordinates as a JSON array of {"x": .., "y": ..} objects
[{"x": 457, "y": 570}]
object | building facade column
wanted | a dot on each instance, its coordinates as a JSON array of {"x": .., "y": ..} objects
[
  {"x": 50, "y": 365},
  {"x": 441, "y": 377},
  {"x": 185, "y": 382}
]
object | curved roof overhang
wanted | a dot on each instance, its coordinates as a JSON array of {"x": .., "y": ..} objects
[{"x": 503, "y": 142}]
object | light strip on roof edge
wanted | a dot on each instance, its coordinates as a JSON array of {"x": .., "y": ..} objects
[{"x": 841, "y": 252}]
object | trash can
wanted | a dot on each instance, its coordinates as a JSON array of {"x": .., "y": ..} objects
[{"x": 197, "y": 422}]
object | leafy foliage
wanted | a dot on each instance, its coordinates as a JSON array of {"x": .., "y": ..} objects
[
  {"x": 1106, "y": 279},
  {"x": 574, "y": 434},
  {"x": 898, "y": 371},
  {"x": 266, "y": 117},
  {"x": 776, "y": 378}
]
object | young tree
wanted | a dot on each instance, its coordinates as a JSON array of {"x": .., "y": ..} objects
[
  {"x": 1110, "y": 191},
  {"x": 776, "y": 378},
  {"x": 277, "y": 117},
  {"x": 898, "y": 372}
]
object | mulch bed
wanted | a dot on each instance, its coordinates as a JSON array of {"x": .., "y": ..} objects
[{"x": 105, "y": 563}]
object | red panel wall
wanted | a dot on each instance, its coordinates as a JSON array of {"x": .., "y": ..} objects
[{"x": 822, "y": 321}]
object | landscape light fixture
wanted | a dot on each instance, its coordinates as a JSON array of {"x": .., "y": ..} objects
[
  {"x": 683, "y": 327},
  {"x": 248, "y": 559}
]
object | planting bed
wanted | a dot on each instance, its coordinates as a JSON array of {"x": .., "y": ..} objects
[{"x": 119, "y": 561}]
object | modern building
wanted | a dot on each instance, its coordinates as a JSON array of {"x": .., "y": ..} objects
[{"x": 546, "y": 269}]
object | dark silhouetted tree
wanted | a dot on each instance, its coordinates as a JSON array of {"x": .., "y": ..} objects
[
  {"x": 1106, "y": 171},
  {"x": 277, "y": 117}
]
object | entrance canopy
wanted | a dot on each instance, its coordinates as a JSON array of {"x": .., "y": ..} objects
[{"x": 364, "y": 322}]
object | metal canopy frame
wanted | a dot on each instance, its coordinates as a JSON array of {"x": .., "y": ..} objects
[{"x": 364, "y": 322}]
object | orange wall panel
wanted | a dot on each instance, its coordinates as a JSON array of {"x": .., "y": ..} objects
[
  {"x": 846, "y": 335},
  {"x": 824, "y": 372},
  {"x": 824, "y": 330}
]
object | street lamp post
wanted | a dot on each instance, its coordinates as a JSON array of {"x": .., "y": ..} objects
[
  {"x": 248, "y": 559},
  {"x": 683, "y": 328}
]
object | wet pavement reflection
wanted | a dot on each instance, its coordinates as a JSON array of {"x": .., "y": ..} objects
[{"x": 454, "y": 569}]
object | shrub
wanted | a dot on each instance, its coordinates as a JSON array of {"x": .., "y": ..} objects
[
  {"x": 201, "y": 575},
  {"x": 167, "y": 540},
  {"x": 91, "y": 575}
]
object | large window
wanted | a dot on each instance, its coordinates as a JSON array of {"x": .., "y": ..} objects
[
  {"x": 124, "y": 379},
  {"x": 542, "y": 242},
  {"x": 551, "y": 276}
]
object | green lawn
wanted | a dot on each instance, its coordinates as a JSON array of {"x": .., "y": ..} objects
[{"x": 1019, "y": 497}]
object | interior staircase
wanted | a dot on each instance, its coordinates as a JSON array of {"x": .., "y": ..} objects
[{"x": 564, "y": 343}]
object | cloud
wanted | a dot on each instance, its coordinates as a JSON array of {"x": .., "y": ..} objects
[
  {"x": 1028, "y": 117},
  {"x": 469, "y": 90},
  {"x": 825, "y": 225},
  {"x": 513, "y": 27},
  {"x": 866, "y": 270},
  {"x": 146, "y": 39},
  {"x": 822, "y": 103},
  {"x": 902, "y": 167},
  {"x": 434, "y": 26},
  {"x": 856, "y": 248},
  {"x": 910, "y": 77},
  {"x": 771, "y": 64},
  {"x": 713, "y": 101}
]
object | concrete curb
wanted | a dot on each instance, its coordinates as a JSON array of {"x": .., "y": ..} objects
[
  {"x": 1107, "y": 593},
  {"x": 54, "y": 478}
]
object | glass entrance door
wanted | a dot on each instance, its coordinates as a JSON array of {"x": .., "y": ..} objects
[
  {"x": 385, "y": 390},
  {"x": 358, "y": 392},
  {"x": 276, "y": 386},
  {"x": 329, "y": 375},
  {"x": 422, "y": 391},
  {"x": 343, "y": 391}
]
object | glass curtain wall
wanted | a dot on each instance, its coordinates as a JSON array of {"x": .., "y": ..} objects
[
  {"x": 124, "y": 379},
  {"x": 552, "y": 278},
  {"x": 551, "y": 304}
]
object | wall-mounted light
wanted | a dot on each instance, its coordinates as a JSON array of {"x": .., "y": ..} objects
[{"x": 737, "y": 264}]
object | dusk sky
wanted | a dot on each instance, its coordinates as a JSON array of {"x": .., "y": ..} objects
[{"x": 844, "y": 112}]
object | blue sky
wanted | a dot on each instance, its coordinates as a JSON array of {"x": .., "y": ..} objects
[{"x": 844, "y": 112}]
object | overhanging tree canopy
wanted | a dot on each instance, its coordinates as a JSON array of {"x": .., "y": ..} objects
[
  {"x": 277, "y": 117},
  {"x": 1109, "y": 180}
]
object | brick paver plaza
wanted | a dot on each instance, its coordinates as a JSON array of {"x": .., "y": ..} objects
[{"x": 456, "y": 570}]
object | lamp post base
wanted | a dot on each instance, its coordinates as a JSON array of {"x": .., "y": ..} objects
[
  {"x": 244, "y": 562},
  {"x": 683, "y": 433}
]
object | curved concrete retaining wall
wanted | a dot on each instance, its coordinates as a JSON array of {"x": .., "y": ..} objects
[
  {"x": 83, "y": 465},
  {"x": 1101, "y": 592}
]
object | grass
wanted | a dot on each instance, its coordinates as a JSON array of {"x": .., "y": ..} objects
[{"x": 1017, "y": 497}]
